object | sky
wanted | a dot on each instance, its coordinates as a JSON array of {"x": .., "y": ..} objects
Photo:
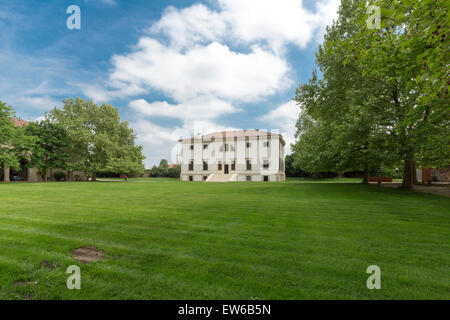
[{"x": 173, "y": 68}]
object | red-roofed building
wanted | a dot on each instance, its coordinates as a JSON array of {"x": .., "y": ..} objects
[{"x": 19, "y": 122}]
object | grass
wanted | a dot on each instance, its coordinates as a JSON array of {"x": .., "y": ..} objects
[{"x": 165, "y": 239}]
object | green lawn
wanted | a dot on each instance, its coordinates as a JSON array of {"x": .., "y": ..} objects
[{"x": 171, "y": 240}]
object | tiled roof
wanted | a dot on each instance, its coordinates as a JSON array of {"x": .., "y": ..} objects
[
  {"x": 238, "y": 133},
  {"x": 19, "y": 122},
  {"x": 234, "y": 133}
]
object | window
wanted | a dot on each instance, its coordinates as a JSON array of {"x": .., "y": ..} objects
[
  {"x": 191, "y": 165},
  {"x": 233, "y": 165},
  {"x": 219, "y": 166},
  {"x": 266, "y": 143},
  {"x": 205, "y": 146},
  {"x": 191, "y": 178},
  {"x": 266, "y": 164},
  {"x": 266, "y": 178},
  {"x": 248, "y": 145},
  {"x": 205, "y": 165},
  {"x": 226, "y": 147},
  {"x": 249, "y": 178},
  {"x": 249, "y": 165},
  {"x": 192, "y": 147}
]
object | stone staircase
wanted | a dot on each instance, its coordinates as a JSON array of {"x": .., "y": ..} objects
[{"x": 221, "y": 177}]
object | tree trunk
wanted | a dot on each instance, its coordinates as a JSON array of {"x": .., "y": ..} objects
[
  {"x": 414, "y": 173},
  {"x": 94, "y": 176},
  {"x": 408, "y": 175},
  {"x": 6, "y": 174},
  {"x": 45, "y": 174},
  {"x": 366, "y": 174}
]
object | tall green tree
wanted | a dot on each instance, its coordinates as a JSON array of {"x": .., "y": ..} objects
[
  {"x": 409, "y": 55},
  {"x": 7, "y": 156},
  {"x": 339, "y": 128},
  {"x": 14, "y": 144},
  {"x": 49, "y": 149},
  {"x": 98, "y": 140},
  {"x": 375, "y": 103}
]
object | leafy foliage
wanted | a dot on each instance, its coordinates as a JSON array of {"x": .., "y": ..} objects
[
  {"x": 163, "y": 170},
  {"x": 98, "y": 140},
  {"x": 49, "y": 149},
  {"x": 383, "y": 97}
]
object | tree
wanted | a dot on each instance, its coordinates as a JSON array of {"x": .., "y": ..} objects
[
  {"x": 339, "y": 128},
  {"x": 174, "y": 171},
  {"x": 14, "y": 144},
  {"x": 98, "y": 140},
  {"x": 409, "y": 56},
  {"x": 7, "y": 156},
  {"x": 375, "y": 104},
  {"x": 50, "y": 147},
  {"x": 163, "y": 168},
  {"x": 291, "y": 170}
]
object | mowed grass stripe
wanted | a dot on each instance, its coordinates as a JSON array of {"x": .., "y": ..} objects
[{"x": 180, "y": 240}]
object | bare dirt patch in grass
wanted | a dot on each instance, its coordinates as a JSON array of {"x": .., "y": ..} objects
[
  {"x": 87, "y": 254},
  {"x": 50, "y": 265}
]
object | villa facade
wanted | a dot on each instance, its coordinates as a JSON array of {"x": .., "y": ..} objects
[{"x": 242, "y": 155}]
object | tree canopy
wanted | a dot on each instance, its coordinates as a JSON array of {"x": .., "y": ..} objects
[
  {"x": 374, "y": 104},
  {"x": 49, "y": 149},
  {"x": 97, "y": 140}
]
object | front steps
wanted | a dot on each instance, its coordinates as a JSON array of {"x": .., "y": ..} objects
[{"x": 221, "y": 177}]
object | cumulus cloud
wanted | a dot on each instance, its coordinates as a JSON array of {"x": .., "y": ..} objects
[
  {"x": 284, "y": 118},
  {"x": 202, "y": 70},
  {"x": 189, "y": 26},
  {"x": 210, "y": 60},
  {"x": 274, "y": 23},
  {"x": 160, "y": 142},
  {"x": 199, "y": 108},
  {"x": 44, "y": 103},
  {"x": 186, "y": 54}
]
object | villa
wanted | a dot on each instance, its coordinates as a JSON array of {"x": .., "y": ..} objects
[{"x": 242, "y": 155}]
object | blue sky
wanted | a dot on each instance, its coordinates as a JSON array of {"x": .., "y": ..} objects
[{"x": 173, "y": 68}]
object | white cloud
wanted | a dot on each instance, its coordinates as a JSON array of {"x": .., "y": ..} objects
[
  {"x": 326, "y": 13},
  {"x": 44, "y": 103},
  {"x": 269, "y": 22},
  {"x": 187, "y": 56},
  {"x": 284, "y": 118},
  {"x": 275, "y": 22},
  {"x": 202, "y": 70},
  {"x": 189, "y": 26},
  {"x": 199, "y": 108},
  {"x": 160, "y": 142}
]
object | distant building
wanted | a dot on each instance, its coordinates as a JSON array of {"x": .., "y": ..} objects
[
  {"x": 243, "y": 155},
  {"x": 32, "y": 174}
]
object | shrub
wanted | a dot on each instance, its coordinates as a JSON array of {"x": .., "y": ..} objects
[
  {"x": 59, "y": 175},
  {"x": 386, "y": 172}
]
